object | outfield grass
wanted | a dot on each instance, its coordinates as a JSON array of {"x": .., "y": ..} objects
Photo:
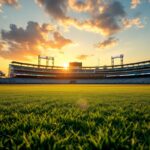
[{"x": 75, "y": 117}]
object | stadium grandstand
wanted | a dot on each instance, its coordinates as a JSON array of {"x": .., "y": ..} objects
[
  {"x": 77, "y": 71},
  {"x": 20, "y": 72}
]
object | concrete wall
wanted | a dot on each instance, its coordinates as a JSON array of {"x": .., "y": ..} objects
[{"x": 78, "y": 81}]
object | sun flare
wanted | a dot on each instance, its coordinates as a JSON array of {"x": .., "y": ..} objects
[{"x": 65, "y": 65}]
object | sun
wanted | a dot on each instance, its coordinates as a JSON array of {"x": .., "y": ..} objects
[{"x": 65, "y": 65}]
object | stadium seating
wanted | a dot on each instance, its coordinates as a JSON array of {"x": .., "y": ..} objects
[{"x": 24, "y": 70}]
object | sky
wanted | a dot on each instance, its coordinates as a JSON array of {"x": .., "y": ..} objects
[{"x": 88, "y": 31}]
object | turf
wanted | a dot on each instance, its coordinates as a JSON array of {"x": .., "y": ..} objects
[{"x": 87, "y": 117}]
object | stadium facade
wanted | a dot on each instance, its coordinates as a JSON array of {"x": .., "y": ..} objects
[{"x": 19, "y": 72}]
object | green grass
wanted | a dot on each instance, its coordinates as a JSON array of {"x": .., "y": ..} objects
[{"x": 80, "y": 117}]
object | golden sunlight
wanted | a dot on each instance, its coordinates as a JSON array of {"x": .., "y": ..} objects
[{"x": 65, "y": 65}]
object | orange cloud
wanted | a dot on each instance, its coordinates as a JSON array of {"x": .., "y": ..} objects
[
  {"x": 19, "y": 51},
  {"x": 2, "y": 44},
  {"x": 31, "y": 41},
  {"x": 134, "y": 3},
  {"x": 59, "y": 41},
  {"x": 110, "y": 42},
  {"x": 83, "y": 57},
  {"x": 80, "y": 5},
  {"x": 128, "y": 23},
  {"x": 102, "y": 17},
  {"x": 98, "y": 25},
  {"x": 8, "y": 2}
]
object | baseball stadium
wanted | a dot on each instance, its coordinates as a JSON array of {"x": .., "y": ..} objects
[
  {"x": 138, "y": 72},
  {"x": 74, "y": 75}
]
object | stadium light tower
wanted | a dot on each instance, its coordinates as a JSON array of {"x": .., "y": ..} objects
[
  {"x": 121, "y": 56},
  {"x": 47, "y": 60}
]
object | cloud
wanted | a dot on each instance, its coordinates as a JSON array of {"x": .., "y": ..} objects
[
  {"x": 33, "y": 33},
  {"x": 110, "y": 42},
  {"x": 106, "y": 21},
  {"x": 135, "y": 3},
  {"x": 59, "y": 41},
  {"x": 2, "y": 44},
  {"x": 80, "y": 5},
  {"x": 8, "y": 2},
  {"x": 102, "y": 17},
  {"x": 56, "y": 8},
  {"x": 19, "y": 51},
  {"x": 83, "y": 57},
  {"x": 31, "y": 41},
  {"x": 128, "y": 23}
]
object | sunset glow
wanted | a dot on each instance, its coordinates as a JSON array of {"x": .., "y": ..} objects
[
  {"x": 75, "y": 74},
  {"x": 74, "y": 30},
  {"x": 66, "y": 65}
]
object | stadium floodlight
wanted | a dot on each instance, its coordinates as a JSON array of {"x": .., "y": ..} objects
[
  {"x": 121, "y": 56},
  {"x": 47, "y": 60}
]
